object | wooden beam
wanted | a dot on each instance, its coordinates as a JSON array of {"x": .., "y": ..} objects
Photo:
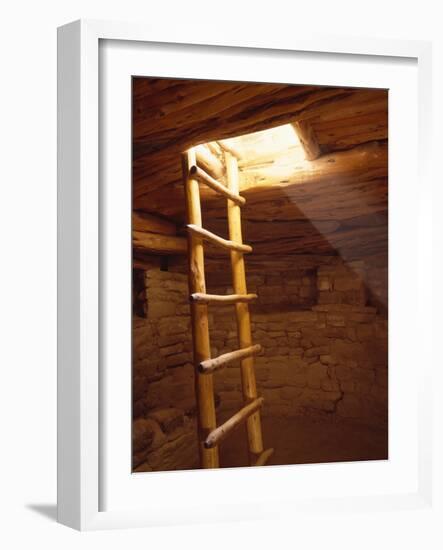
[
  {"x": 159, "y": 244},
  {"x": 217, "y": 435},
  {"x": 222, "y": 299},
  {"x": 205, "y": 178},
  {"x": 142, "y": 221},
  {"x": 363, "y": 163},
  {"x": 224, "y": 243},
  {"x": 210, "y": 365},
  {"x": 308, "y": 139}
]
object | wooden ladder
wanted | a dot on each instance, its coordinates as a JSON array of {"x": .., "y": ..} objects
[{"x": 210, "y": 435}]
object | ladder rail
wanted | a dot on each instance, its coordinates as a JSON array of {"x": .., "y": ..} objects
[
  {"x": 249, "y": 387},
  {"x": 204, "y": 386}
]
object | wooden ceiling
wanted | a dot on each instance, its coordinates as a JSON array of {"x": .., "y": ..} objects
[{"x": 333, "y": 204}]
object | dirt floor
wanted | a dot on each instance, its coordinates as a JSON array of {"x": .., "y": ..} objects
[{"x": 303, "y": 440}]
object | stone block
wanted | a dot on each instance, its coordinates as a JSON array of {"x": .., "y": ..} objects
[
  {"x": 173, "y": 325},
  {"x": 177, "y": 453},
  {"x": 165, "y": 340},
  {"x": 317, "y": 372},
  {"x": 319, "y": 400},
  {"x": 350, "y": 406},
  {"x": 328, "y": 359},
  {"x": 177, "y": 359},
  {"x": 305, "y": 292},
  {"x": 365, "y": 332},
  {"x": 139, "y": 387},
  {"x": 335, "y": 320},
  {"x": 305, "y": 343},
  {"x": 323, "y": 283},
  {"x": 315, "y": 351},
  {"x": 325, "y": 297},
  {"x": 347, "y": 386},
  {"x": 347, "y": 283},
  {"x": 169, "y": 419},
  {"x": 361, "y": 317},
  {"x": 291, "y": 392},
  {"x": 171, "y": 350},
  {"x": 330, "y": 385},
  {"x": 158, "y": 309},
  {"x": 146, "y": 434},
  {"x": 343, "y": 373}
]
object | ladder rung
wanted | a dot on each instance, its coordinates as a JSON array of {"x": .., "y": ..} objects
[
  {"x": 222, "y": 431},
  {"x": 210, "y": 365},
  {"x": 264, "y": 457},
  {"x": 202, "y": 298},
  {"x": 204, "y": 177},
  {"x": 231, "y": 245}
]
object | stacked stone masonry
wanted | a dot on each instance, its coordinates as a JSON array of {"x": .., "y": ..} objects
[{"x": 324, "y": 353}]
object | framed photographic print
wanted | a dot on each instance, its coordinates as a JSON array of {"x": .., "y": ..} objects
[{"x": 235, "y": 287}]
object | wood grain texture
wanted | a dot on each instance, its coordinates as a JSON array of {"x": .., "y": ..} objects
[
  {"x": 338, "y": 199},
  {"x": 221, "y": 432},
  {"x": 204, "y": 386},
  {"x": 216, "y": 186},
  {"x": 215, "y": 239},
  {"x": 210, "y": 365},
  {"x": 218, "y": 299},
  {"x": 244, "y": 333},
  {"x": 264, "y": 457},
  {"x": 159, "y": 244}
]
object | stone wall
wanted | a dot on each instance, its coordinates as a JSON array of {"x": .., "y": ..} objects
[
  {"x": 163, "y": 379},
  {"x": 325, "y": 353},
  {"x": 328, "y": 358}
]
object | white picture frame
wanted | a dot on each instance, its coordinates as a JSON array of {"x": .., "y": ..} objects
[{"x": 81, "y": 413}]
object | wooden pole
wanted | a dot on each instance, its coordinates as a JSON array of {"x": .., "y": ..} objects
[
  {"x": 253, "y": 422},
  {"x": 215, "y": 437},
  {"x": 223, "y": 299},
  {"x": 204, "y": 387},
  {"x": 210, "y": 365},
  {"x": 209, "y": 236},
  {"x": 216, "y": 186}
]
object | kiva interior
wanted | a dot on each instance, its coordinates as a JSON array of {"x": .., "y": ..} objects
[{"x": 260, "y": 274}]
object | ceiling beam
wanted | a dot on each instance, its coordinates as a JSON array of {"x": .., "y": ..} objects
[{"x": 308, "y": 139}]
